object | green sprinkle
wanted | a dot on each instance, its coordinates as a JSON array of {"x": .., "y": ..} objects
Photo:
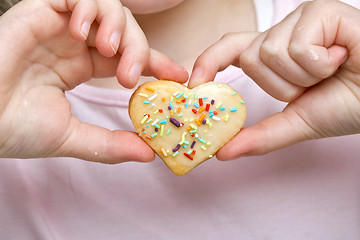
[
  {"x": 156, "y": 125},
  {"x": 168, "y": 132},
  {"x": 180, "y": 115},
  {"x": 179, "y": 95},
  {"x": 148, "y": 121},
  {"x": 154, "y": 135},
  {"x": 193, "y": 131},
  {"x": 175, "y": 154},
  {"x": 242, "y": 102},
  {"x": 234, "y": 93}
]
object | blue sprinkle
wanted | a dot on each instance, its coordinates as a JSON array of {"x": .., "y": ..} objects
[
  {"x": 146, "y": 102},
  {"x": 222, "y": 108},
  {"x": 162, "y": 121},
  {"x": 233, "y": 110},
  {"x": 196, "y": 105}
]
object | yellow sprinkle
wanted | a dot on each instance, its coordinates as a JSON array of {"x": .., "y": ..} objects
[
  {"x": 183, "y": 138},
  {"x": 144, "y": 119},
  {"x": 220, "y": 85},
  {"x": 156, "y": 111},
  {"x": 219, "y": 105},
  {"x": 208, "y": 143},
  {"x": 226, "y": 118},
  {"x": 193, "y": 126},
  {"x": 143, "y": 95},
  {"x": 161, "y": 130},
  {"x": 203, "y": 148}
]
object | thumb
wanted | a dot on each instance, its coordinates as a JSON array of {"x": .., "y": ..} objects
[
  {"x": 275, "y": 132},
  {"x": 97, "y": 144}
]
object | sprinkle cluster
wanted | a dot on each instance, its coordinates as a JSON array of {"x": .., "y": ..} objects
[{"x": 205, "y": 110}]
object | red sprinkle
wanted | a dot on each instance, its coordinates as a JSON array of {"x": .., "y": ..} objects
[
  {"x": 193, "y": 152},
  {"x": 207, "y": 107},
  {"x": 194, "y": 110},
  {"x": 188, "y": 156},
  {"x": 148, "y": 137},
  {"x": 215, "y": 113},
  {"x": 160, "y": 110},
  {"x": 183, "y": 100},
  {"x": 201, "y": 101}
]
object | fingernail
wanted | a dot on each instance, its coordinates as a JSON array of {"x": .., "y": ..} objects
[
  {"x": 115, "y": 41},
  {"x": 135, "y": 72},
  {"x": 196, "y": 77},
  {"x": 85, "y": 29}
]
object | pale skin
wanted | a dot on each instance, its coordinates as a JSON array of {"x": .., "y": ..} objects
[
  {"x": 35, "y": 116},
  {"x": 310, "y": 60},
  {"x": 44, "y": 53}
]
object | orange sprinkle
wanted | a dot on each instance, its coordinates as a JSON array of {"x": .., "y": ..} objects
[
  {"x": 179, "y": 109},
  {"x": 171, "y": 113},
  {"x": 178, "y": 101},
  {"x": 150, "y": 89},
  {"x": 202, "y": 117},
  {"x": 198, "y": 122},
  {"x": 188, "y": 128},
  {"x": 201, "y": 109},
  {"x": 163, "y": 99}
]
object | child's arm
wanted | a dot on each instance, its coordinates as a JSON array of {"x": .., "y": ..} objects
[
  {"x": 44, "y": 53},
  {"x": 311, "y": 60}
]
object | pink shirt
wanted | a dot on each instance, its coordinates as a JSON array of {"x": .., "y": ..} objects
[{"x": 307, "y": 191}]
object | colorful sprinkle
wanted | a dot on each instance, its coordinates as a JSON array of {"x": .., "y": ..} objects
[
  {"x": 178, "y": 96},
  {"x": 193, "y": 144},
  {"x": 188, "y": 156},
  {"x": 168, "y": 131},
  {"x": 201, "y": 101},
  {"x": 154, "y": 135},
  {"x": 150, "y": 89},
  {"x": 161, "y": 130},
  {"x": 146, "y": 102},
  {"x": 222, "y": 108},
  {"x": 163, "y": 152},
  {"x": 233, "y": 109},
  {"x": 175, "y": 122},
  {"x": 143, "y": 95},
  {"x": 175, "y": 154},
  {"x": 153, "y": 97},
  {"x": 176, "y": 148},
  {"x": 144, "y": 119}
]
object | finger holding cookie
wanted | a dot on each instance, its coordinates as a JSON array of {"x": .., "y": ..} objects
[{"x": 311, "y": 60}]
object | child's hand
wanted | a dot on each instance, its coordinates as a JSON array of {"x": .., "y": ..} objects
[
  {"x": 311, "y": 60},
  {"x": 44, "y": 53}
]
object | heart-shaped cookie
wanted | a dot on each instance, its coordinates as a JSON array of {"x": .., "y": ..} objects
[{"x": 185, "y": 126}]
